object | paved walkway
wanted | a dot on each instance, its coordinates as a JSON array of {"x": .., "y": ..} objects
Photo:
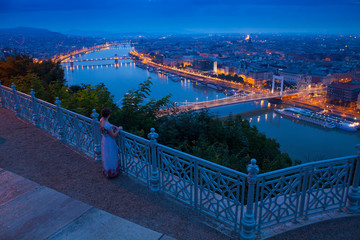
[
  {"x": 30, "y": 152},
  {"x": 31, "y": 211}
]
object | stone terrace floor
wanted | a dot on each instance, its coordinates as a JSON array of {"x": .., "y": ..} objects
[{"x": 32, "y": 153}]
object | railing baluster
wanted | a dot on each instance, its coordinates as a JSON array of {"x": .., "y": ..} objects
[
  {"x": 354, "y": 195},
  {"x": 77, "y": 131},
  {"x": 154, "y": 178},
  {"x": 305, "y": 177},
  {"x": 60, "y": 120},
  {"x": 34, "y": 108},
  {"x": 15, "y": 100},
  {"x": 122, "y": 156},
  {"x": 249, "y": 223},
  {"x": 196, "y": 183},
  {"x": 96, "y": 135}
]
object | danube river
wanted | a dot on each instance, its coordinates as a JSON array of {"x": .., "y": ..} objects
[{"x": 302, "y": 141}]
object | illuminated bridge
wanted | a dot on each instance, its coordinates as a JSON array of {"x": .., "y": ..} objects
[
  {"x": 243, "y": 99},
  {"x": 99, "y": 59}
]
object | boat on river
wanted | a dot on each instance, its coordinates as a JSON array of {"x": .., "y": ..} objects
[{"x": 318, "y": 118}]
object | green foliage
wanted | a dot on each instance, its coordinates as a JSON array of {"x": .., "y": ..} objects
[
  {"x": 85, "y": 98},
  {"x": 16, "y": 66},
  {"x": 27, "y": 82},
  {"x": 44, "y": 77},
  {"x": 138, "y": 112},
  {"x": 234, "y": 78},
  {"x": 230, "y": 143}
]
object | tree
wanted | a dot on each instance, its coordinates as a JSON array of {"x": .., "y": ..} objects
[
  {"x": 138, "y": 112},
  {"x": 230, "y": 143},
  {"x": 27, "y": 82},
  {"x": 86, "y": 98}
]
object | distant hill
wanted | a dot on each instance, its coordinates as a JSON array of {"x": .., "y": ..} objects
[
  {"x": 41, "y": 43},
  {"x": 33, "y": 32}
]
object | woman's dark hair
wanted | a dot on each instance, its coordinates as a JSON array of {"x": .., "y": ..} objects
[{"x": 105, "y": 112}]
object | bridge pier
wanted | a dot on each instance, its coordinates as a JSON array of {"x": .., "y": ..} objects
[{"x": 116, "y": 60}]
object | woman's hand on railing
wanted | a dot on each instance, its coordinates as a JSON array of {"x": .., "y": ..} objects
[{"x": 118, "y": 129}]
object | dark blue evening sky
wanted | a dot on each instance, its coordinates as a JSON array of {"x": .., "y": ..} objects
[{"x": 184, "y": 16}]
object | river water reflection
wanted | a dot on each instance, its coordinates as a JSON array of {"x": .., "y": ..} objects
[
  {"x": 127, "y": 76},
  {"x": 302, "y": 141}
]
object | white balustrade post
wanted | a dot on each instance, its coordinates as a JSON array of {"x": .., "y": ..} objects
[
  {"x": 96, "y": 135},
  {"x": 34, "y": 108},
  {"x": 354, "y": 194},
  {"x": 248, "y": 223},
  {"x": 60, "y": 120},
  {"x": 154, "y": 177},
  {"x": 15, "y": 100}
]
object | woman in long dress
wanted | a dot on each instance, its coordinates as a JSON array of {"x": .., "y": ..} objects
[{"x": 109, "y": 149}]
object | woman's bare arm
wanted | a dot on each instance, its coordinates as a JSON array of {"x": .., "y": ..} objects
[{"x": 113, "y": 133}]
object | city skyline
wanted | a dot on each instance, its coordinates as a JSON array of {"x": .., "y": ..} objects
[{"x": 160, "y": 16}]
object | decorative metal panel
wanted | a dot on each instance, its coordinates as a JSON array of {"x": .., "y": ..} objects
[
  {"x": 288, "y": 194},
  {"x": 135, "y": 155},
  {"x": 176, "y": 174},
  {"x": 278, "y": 197},
  {"x": 328, "y": 186},
  {"x": 47, "y": 117},
  {"x": 221, "y": 194},
  {"x": 213, "y": 189},
  {"x": 78, "y": 131},
  {"x": 25, "y": 106},
  {"x": 7, "y": 99}
]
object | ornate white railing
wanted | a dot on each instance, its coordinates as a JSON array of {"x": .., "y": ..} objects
[
  {"x": 72, "y": 128},
  {"x": 297, "y": 192},
  {"x": 270, "y": 198}
]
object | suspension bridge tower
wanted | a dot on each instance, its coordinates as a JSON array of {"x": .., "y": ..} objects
[
  {"x": 281, "y": 78},
  {"x": 116, "y": 61}
]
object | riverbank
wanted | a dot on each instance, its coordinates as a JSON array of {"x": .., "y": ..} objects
[
  {"x": 250, "y": 113},
  {"x": 294, "y": 103},
  {"x": 221, "y": 82}
]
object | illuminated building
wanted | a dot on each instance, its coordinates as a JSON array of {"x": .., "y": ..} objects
[{"x": 344, "y": 92}]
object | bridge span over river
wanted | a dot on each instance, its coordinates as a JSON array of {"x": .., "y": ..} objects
[{"x": 243, "y": 99}]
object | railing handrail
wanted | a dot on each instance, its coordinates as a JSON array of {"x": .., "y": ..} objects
[
  {"x": 7, "y": 88},
  {"x": 305, "y": 165},
  {"x": 134, "y": 136},
  {"x": 79, "y": 116},
  {"x": 45, "y": 103}
]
